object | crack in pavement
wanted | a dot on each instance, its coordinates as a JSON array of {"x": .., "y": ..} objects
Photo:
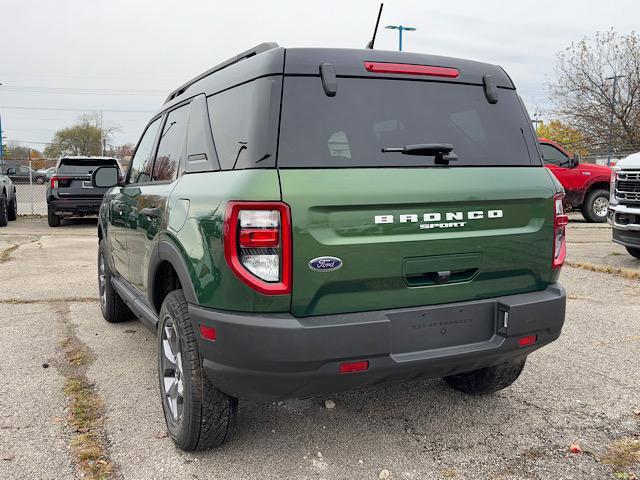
[
  {"x": 89, "y": 445},
  {"x": 5, "y": 255}
]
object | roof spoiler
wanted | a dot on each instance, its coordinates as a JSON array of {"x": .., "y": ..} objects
[{"x": 263, "y": 47}]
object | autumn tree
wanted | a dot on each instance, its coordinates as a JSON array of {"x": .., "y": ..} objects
[
  {"x": 570, "y": 138},
  {"x": 83, "y": 138},
  {"x": 583, "y": 89}
]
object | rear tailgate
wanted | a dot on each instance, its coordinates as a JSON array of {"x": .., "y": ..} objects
[
  {"x": 73, "y": 178},
  {"x": 409, "y": 230},
  {"x": 490, "y": 228}
]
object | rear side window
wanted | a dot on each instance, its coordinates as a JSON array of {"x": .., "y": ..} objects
[
  {"x": 171, "y": 145},
  {"x": 244, "y": 121},
  {"x": 70, "y": 166},
  {"x": 552, "y": 155},
  {"x": 366, "y": 115},
  {"x": 140, "y": 169}
]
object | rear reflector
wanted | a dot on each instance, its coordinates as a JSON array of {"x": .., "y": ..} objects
[
  {"x": 208, "y": 333},
  {"x": 257, "y": 238},
  {"x": 350, "y": 367},
  {"x": 408, "y": 69},
  {"x": 528, "y": 340}
]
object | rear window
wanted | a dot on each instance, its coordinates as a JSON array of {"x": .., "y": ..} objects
[
  {"x": 366, "y": 115},
  {"x": 72, "y": 166}
]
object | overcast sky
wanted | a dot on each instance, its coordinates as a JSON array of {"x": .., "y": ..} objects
[{"x": 62, "y": 58}]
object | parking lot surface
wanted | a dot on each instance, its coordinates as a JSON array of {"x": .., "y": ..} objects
[{"x": 582, "y": 389}]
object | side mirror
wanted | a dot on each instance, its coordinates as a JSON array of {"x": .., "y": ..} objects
[
  {"x": 105, "y": 177},
  {"x": 11, "y": 171},
  {"x": 575, "y": 161}
]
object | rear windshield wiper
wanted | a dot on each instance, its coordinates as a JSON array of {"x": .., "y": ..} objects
[{"x": 441, "y": 151}]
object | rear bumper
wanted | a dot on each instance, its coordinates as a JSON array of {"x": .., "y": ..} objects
[
  {"x": 75, "y": 206},
  {"x": 277, "y": 356}
]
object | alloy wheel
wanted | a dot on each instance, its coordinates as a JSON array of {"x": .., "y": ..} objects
[
  {"x": 171, "y": 371},
  {"x": 102, "y": 282}
]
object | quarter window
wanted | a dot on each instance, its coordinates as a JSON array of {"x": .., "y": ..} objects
[
  {"x": 141, "y": 161},
  {"x": 171, "y": 145}
]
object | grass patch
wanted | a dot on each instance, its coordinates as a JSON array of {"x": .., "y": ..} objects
[
  {"x": 620, "y": 272},
  {"x": 622, "y": 454},
  {"x": 85, "y": 418}
]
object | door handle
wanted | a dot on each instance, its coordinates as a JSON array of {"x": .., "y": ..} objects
[{"x": 153, "y": 212}]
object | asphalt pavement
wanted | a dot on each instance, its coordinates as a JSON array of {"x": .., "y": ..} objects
[{"x": 582, "y": 389}]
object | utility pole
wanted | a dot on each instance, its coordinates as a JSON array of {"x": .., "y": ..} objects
[
  {"x": 611, "y": 115},
  {"x": 400, "y": 28}
]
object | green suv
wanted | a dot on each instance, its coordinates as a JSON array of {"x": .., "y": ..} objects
[{"x": 297, "y": 222}]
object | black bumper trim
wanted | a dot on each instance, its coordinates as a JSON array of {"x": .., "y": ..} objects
[
  {"x": 75, "y": 205},
  {"x": 277, "y": 356},
  {"x": 627, "y": 238}
]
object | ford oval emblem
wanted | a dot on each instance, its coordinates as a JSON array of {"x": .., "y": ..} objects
[{"x": 325, "y": 264}]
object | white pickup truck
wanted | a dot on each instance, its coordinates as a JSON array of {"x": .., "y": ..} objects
[{"x": 624, "y": 204}]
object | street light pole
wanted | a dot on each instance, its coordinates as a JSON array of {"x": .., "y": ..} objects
[
  {"x": 611, "y": 115},
  {"x": 400, "y": 29}
]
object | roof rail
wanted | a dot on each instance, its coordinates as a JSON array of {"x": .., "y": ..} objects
[{"x": 263, "y": 47}]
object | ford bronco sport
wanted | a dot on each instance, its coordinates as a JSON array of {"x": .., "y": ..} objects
[{"x": 297, "y": 222}]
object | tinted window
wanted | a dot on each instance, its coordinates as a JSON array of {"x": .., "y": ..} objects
[
  {"x": 551, "y": 154},
  {"x": 366, "y": 115},
  {"x": 244, "y": 121},
  {"x": 83, "y": 167},
  {"x": 141, "y": 162},
  {"x": 170, "y": 146}
]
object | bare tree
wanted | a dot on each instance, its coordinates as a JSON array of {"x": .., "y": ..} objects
[{"x": 583, "y": 89}]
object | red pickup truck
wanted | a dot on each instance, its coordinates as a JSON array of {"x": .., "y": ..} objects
[{"x": 586, "y": 185}]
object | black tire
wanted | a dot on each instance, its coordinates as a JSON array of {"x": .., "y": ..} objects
[
  {"x": 207, "y": 415},
  {"x": 4, "y": 211},
  {"x": 52, "y": 218},
  {"x": 634, "y": 252},
  {"x": 12, "y": 208},
  {"x": 487, "y": 380},
  {"x": 114, "y": 310},
  {"x": 593, "y": 208}
]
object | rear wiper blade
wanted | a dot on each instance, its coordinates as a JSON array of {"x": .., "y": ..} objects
[{"x": 441, "y": 151}]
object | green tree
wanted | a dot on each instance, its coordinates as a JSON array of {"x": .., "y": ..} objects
[
  {"x": 82, "y": 138},
  {"x": 570, "y": 138}
]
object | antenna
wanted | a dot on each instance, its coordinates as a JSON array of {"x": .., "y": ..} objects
[{"x": 375, "y": 30}]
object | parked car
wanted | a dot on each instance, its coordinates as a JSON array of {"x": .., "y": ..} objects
[
  {"x": 586, "y": 185},
  {"x": 8, "y": 199},
  {"x": 336, "y": 236},
  {"x": 70, "y": 192},
  {"x": 23, "y": 174},
  {"x": 624, "y": 210}
]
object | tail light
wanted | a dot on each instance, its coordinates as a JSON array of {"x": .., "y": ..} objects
[
  {"x": 560, "y": 221},
  {"x": 409, "y": 69},
  {"x": 257, "y": 245},
  {"x": 60, "y": 182}
]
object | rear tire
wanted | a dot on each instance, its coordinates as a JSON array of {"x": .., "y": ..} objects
[
  {"x": 12, "y": 213},
  {"x": 634, "y": 252},
  {"x": 114, "y": 310},
  {"x": 487, "y": 380},
  {"x": 4, "y": 212},
  {"x": 198, "y": 415},
  {"x": 596, "y": 206},
  {"x": 52, "y": 218}
]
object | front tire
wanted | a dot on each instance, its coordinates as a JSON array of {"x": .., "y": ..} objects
[
  {"x": 487, "y": 380},
  {"x": 596, "y": 206},
  {"x": 4, "y": 212},
  {"x": 198, "y": 415},
  {"x": 113, "y": 308},
  {"x": 634, "y": 252}
]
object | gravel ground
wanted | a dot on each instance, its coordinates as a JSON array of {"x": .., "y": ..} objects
[{"x": 583, "y": 388}]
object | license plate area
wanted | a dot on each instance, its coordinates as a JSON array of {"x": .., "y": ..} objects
[
  {"x": 86, "y": 184},
  {"x": 442, "y": 327}
]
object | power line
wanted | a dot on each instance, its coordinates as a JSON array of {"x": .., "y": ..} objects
[
  {"x": 80, "y": 91},
  {"x": 77, "y": 109}
]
